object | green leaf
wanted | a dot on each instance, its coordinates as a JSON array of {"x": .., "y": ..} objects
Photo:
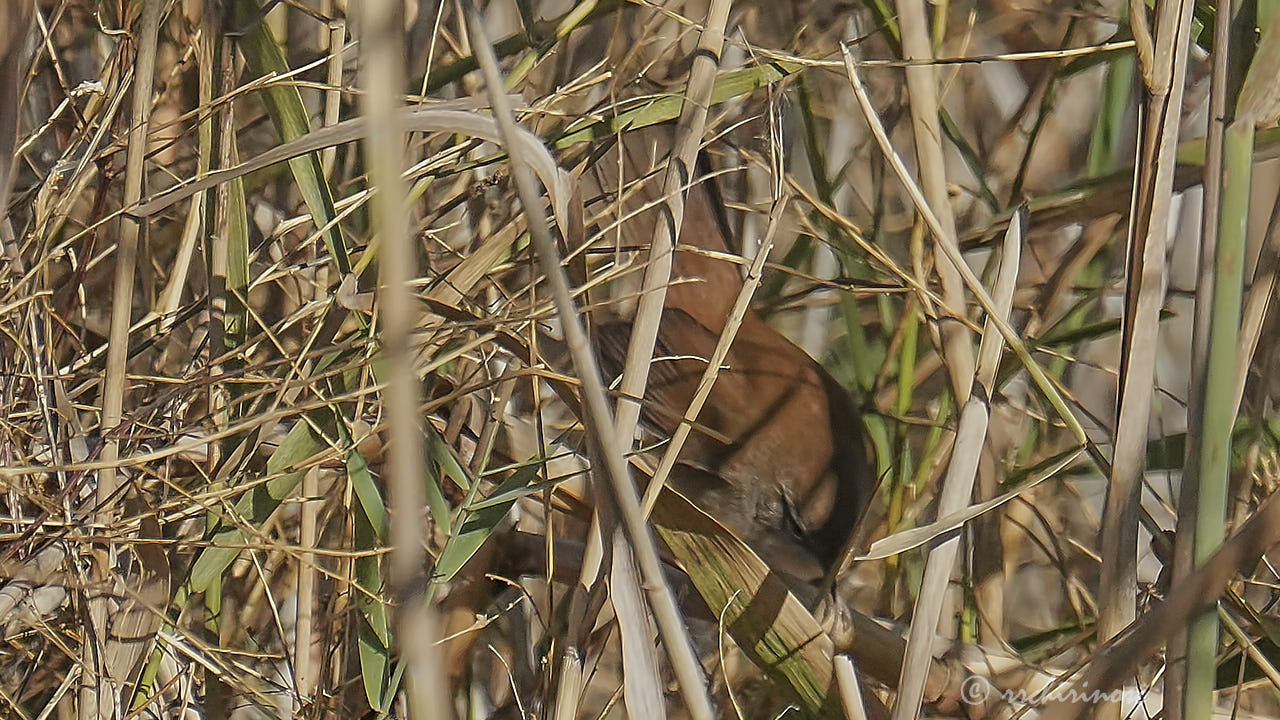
[
  {"x": 438, "y": 453},
  {"x": 236, "y": 320},
  {"x": 366, "y": 491},
  {"x": 478, "y": 521},
  {"x": 374, "y": 629},
  {"x": 289, "y": 116},
  {"x": 654, "y": 110},
  {"x": 254, "y": 507}
]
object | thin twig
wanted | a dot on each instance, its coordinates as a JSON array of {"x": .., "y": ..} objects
[
  {"x": 922, "y": 89},
  {"x": 708, "y": 379},
  {"x": 1144, "y": 295},
  {"x": 98, "y": 695},
  {"x": 607, "y": 453}
]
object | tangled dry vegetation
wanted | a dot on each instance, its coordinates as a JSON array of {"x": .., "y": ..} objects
[{"x": 293, "y": 422}]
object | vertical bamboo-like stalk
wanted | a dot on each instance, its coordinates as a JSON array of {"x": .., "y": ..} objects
[
  {"x": 850, "y": 689},
  {"x": 635, "y": 376},
  {"x": 1256, "y": 104},
  {"x": 303, "y": 668},
  {"x": 957, "y": 488},
  {"x": 127, "y": 249},
  {"x": 607, "y": 453},
  {"x": 217, "y": 76},
  {"x": 922, "y": 89},
  {"x": 382, "y": 52},
  {"x": 1218, "y": 409},
  {"x": 336, "y": 38},
  {"x": 98, "y": 696},
  {"x": 1176, "y": 668},
  {"x": 688, "y": 139},
  {"x": 1163, "y": 60}
]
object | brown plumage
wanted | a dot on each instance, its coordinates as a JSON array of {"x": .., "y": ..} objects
[{"x": 778, "y": 454}]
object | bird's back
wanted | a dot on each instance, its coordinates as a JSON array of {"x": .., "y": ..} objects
[{"x": 777, "y": 454}]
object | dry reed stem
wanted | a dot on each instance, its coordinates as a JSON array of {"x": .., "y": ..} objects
[
  {"x": 99, "y": 696},
  {"x": 382, "y": 49},
  {"x": 740, "y": 307},
  {"x": 608, "y": 454},
  {"x": 1144, "y": 295},
  {"x": 922, "y": 89},
  {"x": 957, "y": 488}
]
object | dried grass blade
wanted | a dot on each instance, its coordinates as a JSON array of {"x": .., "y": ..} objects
[
  {"x": 740, "y": 307},
  {"x": 957, "y": 489},
  {"x": 99, "y": 694},
  {"x": 290, "y": 118},
  {"x": 922, "y": 88},
  {"x": 1144, "y": 296},
  {"x": 607, "y": 453},
  {"x": 1046, "y": 386},
  {"x": 433, "y": 119},
  {"x": 905, "y": 540}
]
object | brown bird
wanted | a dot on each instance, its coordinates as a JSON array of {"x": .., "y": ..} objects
[{"x": 777, "y": 455}]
